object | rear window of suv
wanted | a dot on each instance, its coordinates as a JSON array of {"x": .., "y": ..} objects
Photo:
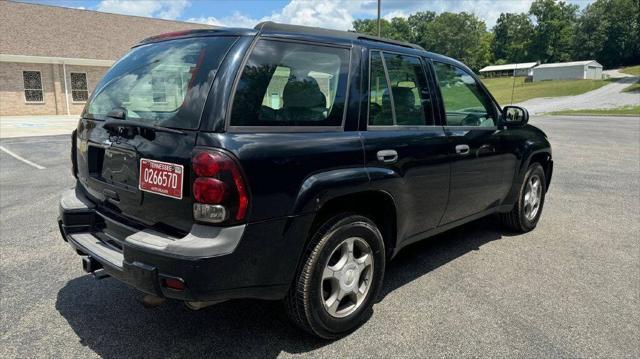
[
  {"x": 292, "y": 84},
  {"x": 164, "y": 83}
]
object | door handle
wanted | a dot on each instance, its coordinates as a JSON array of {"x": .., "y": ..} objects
[
  {"x": 387, "y": 156},
  {"x": 462, "y": 149}
]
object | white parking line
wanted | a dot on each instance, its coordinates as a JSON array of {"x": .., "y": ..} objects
[
  {"x": 10, "y": 141},
  {"x": 19, "y": 158}
]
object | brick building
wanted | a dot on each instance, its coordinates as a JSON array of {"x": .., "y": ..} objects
[{"x": 51, "y": 58}]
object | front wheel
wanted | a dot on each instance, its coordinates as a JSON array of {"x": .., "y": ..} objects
[
  {"x": 526, "y": 212},
  {"x": 340, "y": 278}
]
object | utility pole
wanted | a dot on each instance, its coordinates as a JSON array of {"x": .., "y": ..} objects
[{"x": 379, "y": 1}]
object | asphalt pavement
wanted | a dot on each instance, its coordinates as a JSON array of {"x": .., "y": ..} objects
[{"x": 569, "y": 288}]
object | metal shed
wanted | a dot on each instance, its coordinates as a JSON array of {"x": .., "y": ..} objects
[
  {"x": 521, "y": 69},
  {"x": 577, "y": 70}
]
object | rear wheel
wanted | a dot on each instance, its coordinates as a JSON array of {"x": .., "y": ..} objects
[
  {"x": 340, "y": 278},
  {"x": 526, "y": 213}
]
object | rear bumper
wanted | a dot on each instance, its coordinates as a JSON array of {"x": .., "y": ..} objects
[{"x": 214, "y": 263}]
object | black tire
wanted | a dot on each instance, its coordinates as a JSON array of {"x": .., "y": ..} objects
[
  {"x": 517, "y": 220},
  {"x": 304, "y": 303}
]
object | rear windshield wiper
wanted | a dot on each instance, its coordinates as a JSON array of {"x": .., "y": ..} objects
[{"x": 114, "y": 124}]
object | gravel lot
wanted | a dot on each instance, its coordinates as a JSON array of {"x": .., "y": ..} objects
[
  {"x": 570, "y": 288},
  {"x": 609, "y": 96}
]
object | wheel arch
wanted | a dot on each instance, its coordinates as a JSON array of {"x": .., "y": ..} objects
[
  {"x": 542, "y": 156},
  {"x": 377, "y": 205},
  {"x": 545, "y": 160}
]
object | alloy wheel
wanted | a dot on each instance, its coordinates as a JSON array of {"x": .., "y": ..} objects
[
  {"x": 532, "y": 197},
  {"x": 346, "y": 278}
]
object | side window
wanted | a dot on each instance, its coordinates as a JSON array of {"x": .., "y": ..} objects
[
  {"x": 402, "y": 100},
  {"x": 292, "y": 84},
  {"x": 380, "y": 112},
  {"x": 465, "y": 103}
]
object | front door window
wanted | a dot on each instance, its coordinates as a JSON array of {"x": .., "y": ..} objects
[{"x": 465, "y": 103}]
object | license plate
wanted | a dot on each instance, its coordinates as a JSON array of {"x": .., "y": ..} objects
[{"x": 162, "y": 178}]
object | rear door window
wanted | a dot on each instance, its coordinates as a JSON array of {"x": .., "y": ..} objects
[
  {"x": 162, "y": 83},
  {"x": 380, "y": 111},
  {"x": 400, "y": 97},
  {"x": 292, "y": 84}
]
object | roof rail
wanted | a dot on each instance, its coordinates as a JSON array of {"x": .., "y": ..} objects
[
  {"x": 349, "y": 35},
  {"x": 389, "y": 41}
]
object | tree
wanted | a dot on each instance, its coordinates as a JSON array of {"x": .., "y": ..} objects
[
  {"x": 412, "y": 29},
  {"x": 418, "y": 23},
  {"x": 512, "y": 38},
  {"x": 554, "y": 30},
  {"x": 459, "y": 35},
  {"x": 608, "y": 32},
  {"x": 396, "y": 29}
]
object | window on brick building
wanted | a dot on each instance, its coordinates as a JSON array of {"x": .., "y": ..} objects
[
  {"x": 79, "y": 90},
  {"x": 32, "y": 86}
]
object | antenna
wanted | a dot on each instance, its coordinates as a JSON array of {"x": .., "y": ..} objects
[{"x": 513, "y": 87}]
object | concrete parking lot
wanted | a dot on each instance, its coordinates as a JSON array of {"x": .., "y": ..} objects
[{"x": 570, "y": 288}]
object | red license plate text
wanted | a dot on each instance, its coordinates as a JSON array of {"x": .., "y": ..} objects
[{"x": 162, "y": 178}]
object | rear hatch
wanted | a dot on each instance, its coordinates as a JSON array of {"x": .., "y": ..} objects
[{"x": 138, "y": 131}]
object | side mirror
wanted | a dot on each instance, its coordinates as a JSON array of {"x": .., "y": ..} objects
[{"x": 514, "y": 116}]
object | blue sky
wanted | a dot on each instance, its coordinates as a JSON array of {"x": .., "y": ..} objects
[{"x": 336, "y": 14}]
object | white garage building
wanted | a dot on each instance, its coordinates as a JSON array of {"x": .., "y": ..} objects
[
  {"x": 577, "y": 70},
  {"x": 521, "y": 69}
]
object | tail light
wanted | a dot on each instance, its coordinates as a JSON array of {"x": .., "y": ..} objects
[{"x": 218, "y": 189}]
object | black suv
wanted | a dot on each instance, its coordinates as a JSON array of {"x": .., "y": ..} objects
[{"x": 287, "y": 162}]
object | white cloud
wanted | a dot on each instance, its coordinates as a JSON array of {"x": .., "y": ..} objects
[
  {"x": 340, "y": 14},
  {"x": 323, "y": 13},
  {"x": 235, "y": 20},
  {"x": 334, "y": 14},
  {"x": 165, "y": 9},
  {"x": 487, "y": 10},
  {"x": 395, "y": 13}
]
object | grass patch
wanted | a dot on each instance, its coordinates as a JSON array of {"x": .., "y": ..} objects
[
  {"x": 501, "y": 88},
  {"x": 619, "y": 111},
  {"x": 632, "y": 70},
  {"x": 633, "y": 88}
]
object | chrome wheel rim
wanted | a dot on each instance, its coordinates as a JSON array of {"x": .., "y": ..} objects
[
  {"x": 346, "y": 278},
  {"x": 532, "y": 197}
]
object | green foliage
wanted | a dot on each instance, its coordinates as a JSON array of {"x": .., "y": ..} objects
[
  {"x": 512, "y": 38},
  {"x": 552, "y": 31},
  {"x": 635, "y": 88},
  {"x": 396, "y": 29},
  {"x": 632, "y": 70},
  {"x": 609, "y": 31},
  {"x": 459, "y": 35},
  {"x": 555, "y": 26}
]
